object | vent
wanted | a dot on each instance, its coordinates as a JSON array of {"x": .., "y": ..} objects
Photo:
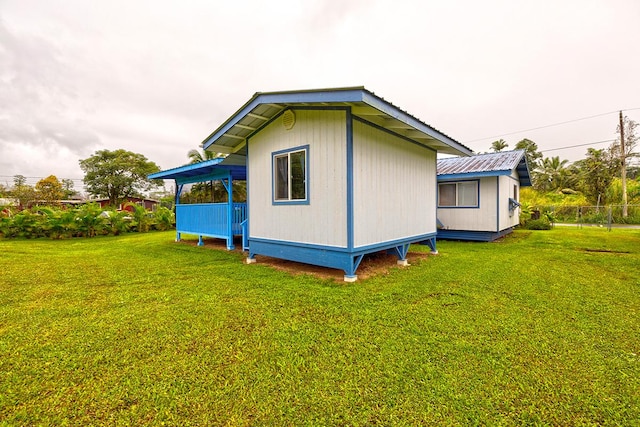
[{"x": 288, "y": 119}]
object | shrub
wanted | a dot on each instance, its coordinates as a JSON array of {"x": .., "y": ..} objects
[
  {"x": 163, "y": 219},
  {"x": 538, "y": 224}
]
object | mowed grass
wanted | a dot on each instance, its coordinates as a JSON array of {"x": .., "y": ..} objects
[{"x": 541, "y": 328}]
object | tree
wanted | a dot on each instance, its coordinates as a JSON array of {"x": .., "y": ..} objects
[
  {"x": 19, "y": 180},
  {"x": 118, "y": 174},
  {"x": 531, "y": 152},
  {"x": 550, "y": 174},
  {"x": 49, "y": 190},
  {"x": 499, "y": 145},
  {"x": 196, "y": 156},
  {"x": 596, "y": 173},
  {"x": 25, "y": 194},
  {"x": 67, "y": 188}
]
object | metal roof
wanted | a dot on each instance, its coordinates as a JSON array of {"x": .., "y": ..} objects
[
  {"x": 491, "y": 164},
  {"x": 231, "y": 136},
  {"x": 211, "y": 169}
]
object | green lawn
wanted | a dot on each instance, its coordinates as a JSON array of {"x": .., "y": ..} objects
[{"x": 540, "y": 328}]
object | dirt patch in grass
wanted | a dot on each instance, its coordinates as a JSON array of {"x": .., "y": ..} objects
[{"x": 372, "y": 264}]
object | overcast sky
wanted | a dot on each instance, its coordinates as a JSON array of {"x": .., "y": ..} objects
[{"x": 156, "y": 77}]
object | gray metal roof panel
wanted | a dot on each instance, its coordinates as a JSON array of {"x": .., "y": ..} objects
[{"x": 490, "y": 164}]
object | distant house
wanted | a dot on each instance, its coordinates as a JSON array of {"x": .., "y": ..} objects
[
  {"x": 478, "y": 196},
  {"x": 332, "y": 175},
  {"x": 149, "y": 204},
  {"x": 8, "y": 201}
]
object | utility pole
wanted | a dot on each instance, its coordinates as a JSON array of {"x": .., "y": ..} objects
[{"x": 623, "y": 158}]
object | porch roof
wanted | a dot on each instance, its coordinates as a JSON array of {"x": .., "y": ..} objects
[
  {"x": 233, "y": 165},
  {"x": 231, "y": 136}
]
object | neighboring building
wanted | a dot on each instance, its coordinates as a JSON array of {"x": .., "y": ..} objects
[
  {"x": 8, "y": 201},
  {"x": 478, "y": 195},
  {"x": 332, "y": 175},
  {"x": 149, "y": 204}
]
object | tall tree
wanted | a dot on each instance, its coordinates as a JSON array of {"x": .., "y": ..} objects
[
  {"x": 67, "y": 188},
  {"x": 531, "y": 151},
  {"x": 49, "y": 190},
  {"x": 19, "y": 180},
  {"x": 118, "y": 174},
  {"x": 499, "y": 145},
  {"x": 210, "y": 191},
  {"x": 597, "y": 172},
  {"x": 200, "y": 156},
  {"x": 25, "y": 194},
  {"x": 550, "y": 173}
]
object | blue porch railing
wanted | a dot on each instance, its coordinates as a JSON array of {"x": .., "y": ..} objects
[{"x": 210, "y": 219}]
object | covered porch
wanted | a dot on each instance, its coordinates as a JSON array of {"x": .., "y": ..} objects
[{"x": 222, "y": 220}]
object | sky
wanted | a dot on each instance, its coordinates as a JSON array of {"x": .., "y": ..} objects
[{"x": 156, "y": 76}]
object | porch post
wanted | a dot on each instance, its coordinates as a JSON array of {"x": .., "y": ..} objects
[
  {"x": 176, "y": 202},
  {"x": 230, "y": 211}
]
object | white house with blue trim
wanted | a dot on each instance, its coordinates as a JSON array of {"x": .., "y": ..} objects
[
  {"x": 478, "y": 195},
  {"x": 332, "y": 175}
]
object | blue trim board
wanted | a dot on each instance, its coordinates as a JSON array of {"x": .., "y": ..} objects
[
  {"x": 349, "y": 154},
  {"x": 341, "y": 258},
  {"x": 346, "y": 95},
  {"x": 471, "y": 175},
  {"x": 477, "y": 236},
  {"x": 305, "y": 201},
  {"x": 497, "y": 203},
  {"x": 387, "y": 108},
  {"x": 354, "y": 95},
  {"x": 390, "y": 132}
]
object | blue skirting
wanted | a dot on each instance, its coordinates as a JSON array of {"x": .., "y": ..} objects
[
  {"x": 332, "y": 256},
  {"x": 478, "y": 236}
]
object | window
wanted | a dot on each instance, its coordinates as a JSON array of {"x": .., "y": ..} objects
[
  {"x": 290, "y": 176},
  {"x": 463, "y": 194}
]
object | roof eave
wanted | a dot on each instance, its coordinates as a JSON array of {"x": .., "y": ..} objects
[{"x": 340, "y": 95}]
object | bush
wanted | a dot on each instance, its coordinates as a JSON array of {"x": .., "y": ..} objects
[
  {"x": 538, "y": 224},
  {"x": 85, "y": 221}
]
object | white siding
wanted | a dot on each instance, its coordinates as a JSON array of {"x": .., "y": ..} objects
[
  {"x": 483, "y": 218},
  {"x": 508, "y": 219},
  {"x": 394, "y": 187},
  {"x": 323, "y": 221}
]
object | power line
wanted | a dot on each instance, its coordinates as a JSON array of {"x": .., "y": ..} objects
[
  {"x": 578, "y": 145},
  {"x": 551, "y": 125}
]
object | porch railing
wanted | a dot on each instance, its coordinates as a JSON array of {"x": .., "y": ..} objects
[{"x": 210, "y": 219}]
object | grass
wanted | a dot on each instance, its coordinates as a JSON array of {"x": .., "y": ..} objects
[{"x": 541, "y": 328}]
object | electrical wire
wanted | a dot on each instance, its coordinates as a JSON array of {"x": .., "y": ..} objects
[
  {"x": 551, "y": 125},
  {"x": 578, "y": 145}
]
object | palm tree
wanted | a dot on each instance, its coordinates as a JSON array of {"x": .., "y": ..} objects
[
  {"x": 551, "y": 173},
  {"x": 499, "y": 145},
  {"x": 196, "y": 156}
]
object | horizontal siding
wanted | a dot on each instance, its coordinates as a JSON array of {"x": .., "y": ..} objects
[
  {"x": 394, "y": 187},
  {"x": 323, "y": 221}
]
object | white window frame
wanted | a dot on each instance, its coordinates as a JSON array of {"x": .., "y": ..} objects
[{"x": 458, "y": 203}]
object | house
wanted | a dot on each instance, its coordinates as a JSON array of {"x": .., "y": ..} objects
[
  {"x": 148, "y": 204},
  {"x": 332, "y": 175},
  {"x": 478, "y": 195}
]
